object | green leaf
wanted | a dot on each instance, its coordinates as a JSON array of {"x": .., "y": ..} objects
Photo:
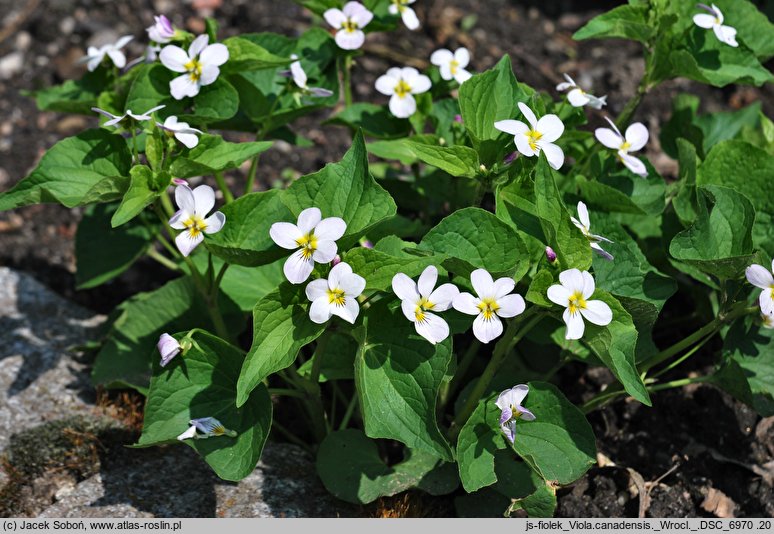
[
  {"x": 479, "y": 440},
  {"x": 538, "y": 288},
  {"x": 91, "y": 167},
  {"x": 375, "y": 121},
  {"x": 73, "y": 96},
  {"x": 686, "y": 203},
  {"x": 244, "y": 239},
  {"x": 748, "y": 369},
  {"x": 720, "y": 241},
  {"x": 245, "y": 55},
  {"x": 399, "y": 372},
  {"x": 571, "y": 246},
  {"x": 125, "y": 358},
  {"x": 142, "y": 191},
  {"x": 478, "y": 239},
  {"x": 345, "y": 189},
  {"x": 378, "y": 268},
  {"x": 150, "y": 88},
  {"x": 457, "y": 160},
  {"x": 541, "y": 503},
  {"x": 102, "y": 253},
  {"x": 725, "y": 125},
  {"x": 202, "y": 383},
  {"x": 625, "y": 22},
  {"x": 747, "y": 170},
  {"x": 624, "y": 192},
  {"x": 215, "y": 102},
  {"x": 245, "y": 285},
  {"x": 214, "y": 154},
  {"x": 338, "y": 359},
  {"x": 350, "y": 468},
  {"x": 281, "y": 326},
  {"x": 615, "y": 345}
]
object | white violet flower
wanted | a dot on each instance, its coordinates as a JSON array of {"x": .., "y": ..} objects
[
  {"x": 452, "y": 65},
  {"x": 761, "y": 277},
  {"x": 200, "y": 65},
  {"x": 635, "y": 138},
  {"x": 115, "y": 119},
  {"x": 181, "y": 130},
  {"x": 349, "y": 21},
  {"x": 578, "y": 97},
  {"x": 400, "y": 85},
  {"x": 538, "y": 136},
  {"x": 725, "y": 34},
  {"x": 419, "y": 300},
  {"x": 94, "y": 55},
  {"x": 584, "y": 225},
  {"x": 573, "y": 292},
  {"x": 313, "y": 239},
  {"x": 206, "y": 427},
  {"x": 162, "y": 30},
  {"x": 336, "y": 295},
  {"x": 300, "y": 79},
  {"x": 168, "y": 348},
  {"x": 493, "y": 301},
  {"x": 407, "y": 14},
  {"x": 192, "y": 216},
  {"x": 511, "y": 409}
]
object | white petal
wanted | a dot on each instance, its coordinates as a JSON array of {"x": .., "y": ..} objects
[
  {"x": 188, "y": 434},
  {"x": 427, "y": 281},
  {"x": 335, "y": 17},
  {"x": 94, "y": 62},
  {"x": 583, "y": 215},
  {"x": 554, "y": 154},
  {"x": 523, "y": 146},
  {"x": 588, "y": 284},
  {"x": 405, "y": 288},
  {"x": 517, "y": 394},
  {"x": 402, "y": 108},
  {"x": 326, "y": 251},
  {"x": 393, "y": 9},
  {"x": 637, "y": 136},
  {"x": 210, "y": 73},
  {"x": 349, "y": 311},
  {"x": 608, "y": 137},
  {"x": 184, "y": 198},
  {"x": 597, "y": 312},
  {"x": 759, "y": 276},
  {"x": 214, "y": 222},
  {"x": 408, "y": 307},
  {"x": 316, "y": 289},
  {"x": 443, "y": 297},
  {"x": 726, "y": 34},
  {"x": 511, "y": 126},
  {"x": 551, "y": 127},
  {"x": 482, "y": 282},
  {"x": 352, "y": 284},
  {"x": 462, "y": 76},
  {"x": 558, "y": 294},
  {"x": 601, "y": 252},
  {"x": 466, "y": 303},
  {"x": 320, "y": 310},
  {"x": 358, "y": 13},
  {"x": 330, "y": 229},
  {"x": 410, "y": 18},
  {"x": 297, "y": 71},
  {"x": 198, "y": 44},
  {"x": 420, "y": 84},
  {"x": 215, "y": 55},
  {"x": 462, "y": 57},
  {"x": 633, "y": 164},
  {"x": 446, "y": 72},
  {"x": 572, "y": 279},
  {"x": 338, "y": 273},
  {"x": 174, "y": 58},
  {"x": 185, "y": 243},
  {"x": 597, "y": 102},
  {"x": 528, "y": 114},
  {"x": 204, "y": 200},
  {"x": 766, "y": 301},
  {"x": 577, "y": 98},
  {"x": 176, "y": 221},
  {"x": 183, "y": 86},
  {"x": 487, "y": 330},
  {"x": 117, "y": 57},
  {"x": 704, "y": 21},
  {"x": 385, "y": 84},
  {"x": 285, "y": 234},
  {"x": 297, "y": 269},
  {"x": 575, "y": 325},
  {"x": 503, "y": 286},
  {"x": 432, "y": 328},
  {"x": 511, "y": 305},
  {"x": 441, "y": 57},
  {"x": 190, "y": 140},
  {"x": 350, "y": 40},
  {"x": 123, "y": 41},
  {"x": 308, "y": 219}
]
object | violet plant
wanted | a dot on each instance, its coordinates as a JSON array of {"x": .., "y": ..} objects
[{"x": 479, "y": 284}]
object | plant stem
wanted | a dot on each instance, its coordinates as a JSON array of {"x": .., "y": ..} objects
[
  {"x": 462, "y": 369},
  {"x": 167, "y": 205},
  {"x": 285, "y": 392},
  {"x": 684, "y": 357},
  {"x": 163, "y": 260},
  {"x": 680, "y": 383},
  {"x": 290, "y": 436},
  {"x": 349, "y": 412},
  {"x": 251, "y": 174},
  {"x": 346, "y": 80},
  {"x": 227, "y": 196},
  {"x": 498, "y": 357},
  {"x": 135, "y": 151}
]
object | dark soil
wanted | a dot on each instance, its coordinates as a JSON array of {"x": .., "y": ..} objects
[{"x": 690, "y": 433}]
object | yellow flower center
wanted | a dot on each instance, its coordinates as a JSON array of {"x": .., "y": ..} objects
[
  {"x": 308, "y": 244},
  {"x": 576, "y": 302},
  {"x": 349, "y": 25},
  {"x": 194, "y": 68},
  {"x": 195, "y": 225},
  {"x": 488, "y": 307},
  {"x": 422, "y": 306},
  {"x": 453, "y": 66},
  {"x": 218, "y": 430},
  {"x": 400, "y": 4},
  {"x": 402, "y": 89},
  {"x": 625, "y": 146},
  {"x": 515, "y": 413},
  {"x": 336, "y": 297},
  {"x": 533, "y": 136}
]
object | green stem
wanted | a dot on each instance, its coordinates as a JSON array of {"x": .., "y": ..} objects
[
  {"x": 227, "y": 196},
  {"x": 167, "y": 205},
  {"x": 251, "y": 174},
  {"x": 348, "y": 413},
  {"x": 680, "y": 383},
  {"x": 346, "y": 80},
  {"x": 509, "y": 339},
  {"x": 682, "y": 358},
  {"x": 135, "y": 151},
  {"x": 163, "y": 260},
  {"x": 462, "y": 369},
  {"x": 285, "y": 392}
]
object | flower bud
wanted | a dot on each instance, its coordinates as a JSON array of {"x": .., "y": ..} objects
[
  {"x": 365, "y": 243},
  {"x": 550, "y": 255},
  {"x": 510, "y": 158},
  {"x": 179, "y": 181},
  {"x": 168, "y": 348},
  {"x": 336, "y": 260},
  {"x": 458, "y": 119}
]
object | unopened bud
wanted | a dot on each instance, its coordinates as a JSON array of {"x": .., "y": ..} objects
[
  {"x": 458, "y": 119},
  {"x": 365, "y": 243},
  {"x": 336, "y": 260},
  {"x": 510, "y": 158},
  {"x": 179, "y": 181},
  {"x": 550, "y": 255},
  {"x": 482, "y": 168}
]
